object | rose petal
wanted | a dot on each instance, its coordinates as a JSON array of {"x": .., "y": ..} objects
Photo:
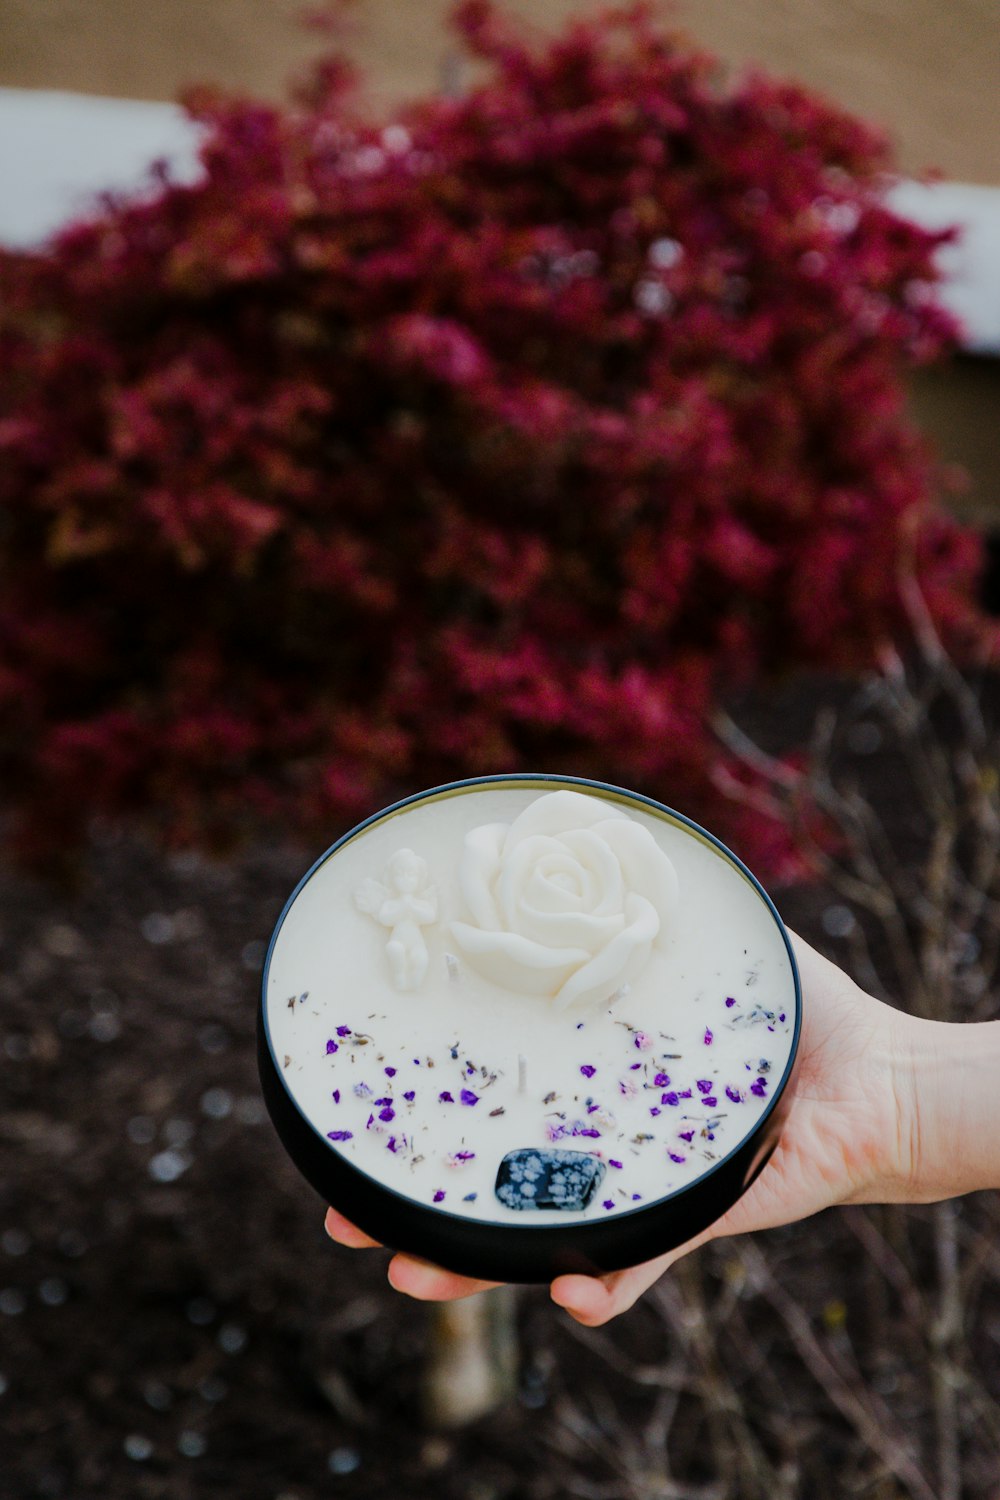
[
  {"x": 623, "y": 956},
  {"x": 560, "y": 812},
  {"x": 595, "y": 854},
  {"x": 647, "y": 870},
  {"x": 516, "y": 962},
  {"x": 477, "y": 871}
]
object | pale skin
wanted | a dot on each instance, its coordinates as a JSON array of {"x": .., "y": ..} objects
[{"x": 885, "y": 1108}]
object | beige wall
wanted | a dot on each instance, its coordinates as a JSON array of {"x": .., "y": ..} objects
[{"x": 925, "y": 69}]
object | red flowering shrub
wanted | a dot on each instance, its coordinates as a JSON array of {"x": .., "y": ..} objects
[{"x": 505, "y": 436}]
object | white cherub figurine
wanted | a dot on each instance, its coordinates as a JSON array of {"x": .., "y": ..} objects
[{"x": 405, "y": 903}]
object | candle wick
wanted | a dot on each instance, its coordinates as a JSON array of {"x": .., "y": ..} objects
[{"x": 522, "y": 1073}]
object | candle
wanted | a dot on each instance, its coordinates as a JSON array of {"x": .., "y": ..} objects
[{"x": 526, "y": 1025}]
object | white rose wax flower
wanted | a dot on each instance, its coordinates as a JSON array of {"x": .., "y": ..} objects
[{"x": 527, "y": 1024}]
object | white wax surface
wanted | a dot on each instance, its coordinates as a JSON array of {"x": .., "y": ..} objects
[{"x": 329, "y": 971}]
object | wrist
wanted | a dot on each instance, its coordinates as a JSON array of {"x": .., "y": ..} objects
[{"x": 948, "y": 1117}]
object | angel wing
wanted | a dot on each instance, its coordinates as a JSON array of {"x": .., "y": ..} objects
[{"x": 371, "y": 896}]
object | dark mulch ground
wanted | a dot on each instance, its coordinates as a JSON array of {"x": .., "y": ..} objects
[{"x": 174, "y": 1323}]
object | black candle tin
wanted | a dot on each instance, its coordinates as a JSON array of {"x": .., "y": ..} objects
[{"x": 514, "y": 1252}]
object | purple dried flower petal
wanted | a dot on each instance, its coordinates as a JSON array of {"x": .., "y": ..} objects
[
  {"x": 670, "y": 1098},
  {"x": 655, "y": 1110},
  {"x": 390, "y": 1072},
  {"x": 439, "y": 1196},
  {"x": 386, "y": 1100},
  {"x": 609, "y": 1203},
  {"x": 686, "y": 1135},
  {"x": 642, "y": 1040},
  {"x": 703, "y": 1085},
  {"x": 331, "y": 1047},
  {"x": 733, "y": 1094},
  {"x": 588, "y": 1070},
  {"x": 335, "y": 1096},
  {"x": 662, "y": 1080},
  {"x": 730, "y": 1002},
  {"x": 340, "y": 1135},
  {"x": 707, "y": 1037},
  {"x": 343, "y": 1031},
  {"x": 676, "y": 1156},
  {"x": 613, "y": 1163},
  {"x": 468, "y": 1097},
  {"x": 387, "y": 1114},
  {"x": 636, "y": 1197},
  {"x": 362, "y": 1091},
  {"x": 410, "y": 1095},
  {"x": 391, "y": 1143},
  {"x": 711, "y": 1101},
  {"x": 633, "y": 1066},
  {"x": 446, "y": 1098}
]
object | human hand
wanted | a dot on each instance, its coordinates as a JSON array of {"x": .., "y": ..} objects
[{"x": 870, "y": 1084}]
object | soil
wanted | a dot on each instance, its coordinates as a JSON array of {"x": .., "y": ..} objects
[{"x": 174, "y": 1322}]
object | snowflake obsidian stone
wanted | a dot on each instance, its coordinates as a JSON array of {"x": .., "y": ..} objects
[{"x": 530, "y": 1178}]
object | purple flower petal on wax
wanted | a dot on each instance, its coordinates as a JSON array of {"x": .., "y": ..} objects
[
  {"x": 362, "y": 1090},
  {"x": 343, "y": 1031},
  {"x": 595, "y": 1134},
  {"x": 633, "y": 1066},
  {"x": 439, "y": 1196},
  {"x": 331, "y": 1046},
  {"x": 710, "y": 1102},
  {"x": 391, "y": 1144},
  {"x": 340, "y": 1135},
  {"x": 446, "y": 1098},
  {"x": 782, "y": 1016},
  {"x": 707, "y": 1037},
  {"x": 636, "y": 1197},
  {"x": 759, "y": 1087},
  {"x": 335, "y": 1096},
  {"x": 613, "y": 1163},
  {"x": 670, "y": 1098},
  {"x": 703, "y": 1085},
  {"x": 387, "y": 1114},
  {"x": 588, "y": 1070},
  {"x": 662, "y": 1080},
  {"x": 390, "y": 1072},
  {"x": 730, "y": 1002},
  {"x": 642, "y": 1040},
  {"x": 686, "y": 1135},
  {"x": 675, "y": 1156},
  {"x": 386, "y": 1100},
  {"x": 655, "y": 1110},
  {"x": 410, "y": 1095},
  {"x": 468, "y": 1097},
  {"x": 609, "y": 1203},
  {"x": 684, "y": 1094},
  {"x": 733, "y": 1094}
]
